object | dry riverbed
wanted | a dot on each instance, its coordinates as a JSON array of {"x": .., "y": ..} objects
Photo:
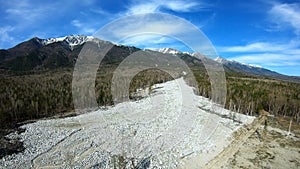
[
  {"x": 159, "y": 131},
  {"x": 167, "y": 129}
]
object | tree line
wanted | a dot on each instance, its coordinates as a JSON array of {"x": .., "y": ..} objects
[{"x": 36, "y": 95}]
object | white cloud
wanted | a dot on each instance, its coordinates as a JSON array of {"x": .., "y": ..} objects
[
  {"x": 87, "y": 2},
  {"x": 4, "y": 33},
  {"x": 272, "y": 54},
  {"x": 283, "y": 14},
  {"x": 151, "y": 41},
  {"x": 146, "y": 40},
  {"x": 76, "y": 23},
  {"x": 26, "y": 12},
  {"x": 25, "y": 16},
  {"x": 157, "y": 6},
  {"x": 269, "y": 59},
  {"x": 131, "y": 29},
  {"x": 5, "y": 36},
  {"x": 100, "y": 11},
  {"x": 259, "y": 47},
  {"x": 266, "y": 57},
  {"x": 145, "y": 24},
  {"x": 136, "y": 30},
  {"x": 83, "y": 28},
  {"x": 182, "y": 6},
  {"x": 266, "y": 54},
  {"x": 148, "y": 27}
]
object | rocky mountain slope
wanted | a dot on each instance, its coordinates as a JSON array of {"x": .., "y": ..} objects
[
  {"x": 36, "y": 80},
  {"x": 233, "y": 66},
  {"x": 52, "y": 53}
]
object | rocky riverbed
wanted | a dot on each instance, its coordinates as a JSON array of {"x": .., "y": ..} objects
[{"x": 159, "y": 131}]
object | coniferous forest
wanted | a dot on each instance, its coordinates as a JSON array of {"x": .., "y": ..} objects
[{"x": 45, "y": 90}]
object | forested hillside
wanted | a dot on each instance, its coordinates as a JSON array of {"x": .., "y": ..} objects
[{"x": 45, "y": 89}]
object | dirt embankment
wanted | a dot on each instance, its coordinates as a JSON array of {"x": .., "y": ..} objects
[{"x": 270, "y": 147}]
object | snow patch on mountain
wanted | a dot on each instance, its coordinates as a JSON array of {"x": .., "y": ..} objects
[
  {"x": 225, "y": 61},
  {"x": 190, "y": 53},
  {"x": 221, "y": 60},
  {"x": 171, "y": 51},
  {"x": 71, "y": 40},
  {"x": 257, "y": 66},
  {"x": 168, "y": 51}
]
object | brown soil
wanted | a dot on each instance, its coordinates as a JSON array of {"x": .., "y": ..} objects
[{"x": 269, "y": 148}]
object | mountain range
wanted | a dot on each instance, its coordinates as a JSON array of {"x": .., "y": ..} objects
[{"x": 46, "y": 54}]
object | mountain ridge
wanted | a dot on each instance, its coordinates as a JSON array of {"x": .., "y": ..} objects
[
  {"x": 50, "y": 53},
  {"x": 36, "y": 80},
  {"x": 235, "y": 66},
  {"x": 254, "y": 70}
]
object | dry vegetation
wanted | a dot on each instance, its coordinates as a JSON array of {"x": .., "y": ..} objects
[
  {"x": 36, "y": 82},
  {"x": 38, "y": 94},
  {"x": 248, "y": 95},
  {"x": 27, "y": 96}
]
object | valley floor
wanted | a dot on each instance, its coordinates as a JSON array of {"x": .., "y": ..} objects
[{"x": 164, "y": 130}]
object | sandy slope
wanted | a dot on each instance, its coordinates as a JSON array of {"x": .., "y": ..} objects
[{"x": 274, "y": 150}]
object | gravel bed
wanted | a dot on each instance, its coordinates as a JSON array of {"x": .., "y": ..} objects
[{"x": 158, "y": 131}]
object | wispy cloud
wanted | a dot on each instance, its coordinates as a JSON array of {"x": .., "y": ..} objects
[
  {"x": 131, "y": 30},
  {"x": 260, "y": 47},
  {"x": 157, "y": 6},
  {"x": 83, "y": 28},
  {"x": 254, "y": 47},
  {"x": 265, "y": 54},
  {"x": 269, "y": 59},
  {"x": 147, "y": 30},
  {"x": 283, "y": 14},
  {"x": 76, "y": 23},
  {"x": 20, "y": 10},
  {"x": 272, "y": 54},
  {"x": 25, "y": 16},
  {"x": 44, "y": 19},
  {"x": 27, "y": 12},
  {"x": 144, "y": 30},
  {"x": 146, "y": 40},
  {"x": 100, "y": 11},
  {"x": 5, "y": 36},
  {"x": 147, "y": 26},
  {"x": 143, "y": 26},
  {"x": 33, "y": 15},
  {"x": 152, "y": 41}
]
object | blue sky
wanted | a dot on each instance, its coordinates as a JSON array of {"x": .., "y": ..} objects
[{"x": 258, "y": 32}]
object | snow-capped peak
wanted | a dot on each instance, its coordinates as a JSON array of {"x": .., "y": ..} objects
[
  {"x": 190, "y": 53},
  {"x": 221, "y": 60},
  {"x": 168, "y": 51},
  {"x": 257, "y": 66},
  {"x": 249, "y": 65},
  {"x": 72, "y": 40},
  {"x": 224, "y": 61}
]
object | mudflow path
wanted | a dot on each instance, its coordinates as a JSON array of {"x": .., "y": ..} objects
[{"x": 166, "y": 130}]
